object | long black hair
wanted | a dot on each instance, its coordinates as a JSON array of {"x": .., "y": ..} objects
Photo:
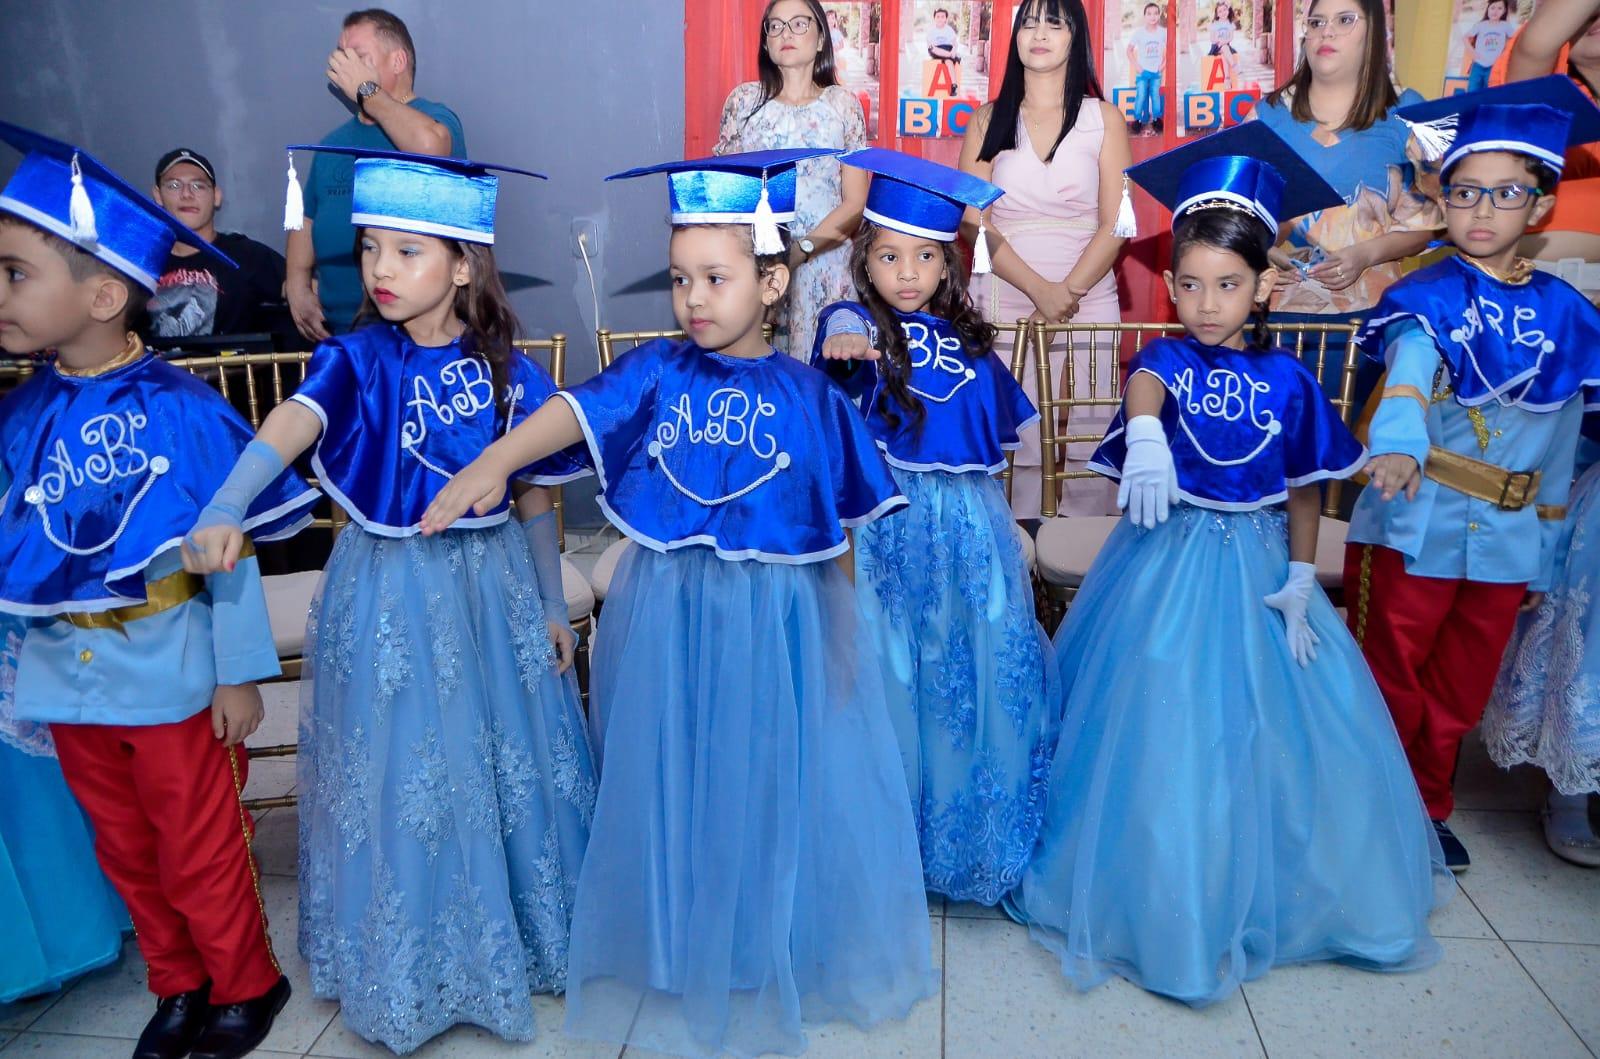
[
  {"x": 824, "y": 74},
  {"x": 1232, "y": 230},
  {"x": 1001, "y": 135},
  {"x": 952, "y": 302}
]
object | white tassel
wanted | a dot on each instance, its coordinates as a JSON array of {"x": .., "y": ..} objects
[
  {"x": 80, "y": 211},
  {"x": 981, "y": 265},
  {"x": 294, "y": 203},
  {"x": 1126, "y": 227},
  {"x": 767, "y": 240},
  {"x": 1434, "y": 138}
]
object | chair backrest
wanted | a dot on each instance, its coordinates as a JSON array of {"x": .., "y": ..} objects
[
  {"x": 1093, "y": 345},
  {"x": 613, "y": 342}
]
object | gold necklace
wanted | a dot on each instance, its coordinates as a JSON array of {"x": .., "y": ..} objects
[{"x": 130, "y": 353}]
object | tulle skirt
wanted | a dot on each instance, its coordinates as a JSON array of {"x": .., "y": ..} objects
[
  {"x": 969, "y": 674},
  {"x": 59, "y": 916},
  {"x": 445, "y": 787},
  {"x": 1215, "y": 809},
  {"x": 753, "y": 862},
  {"x": 1545, "y": 709}
]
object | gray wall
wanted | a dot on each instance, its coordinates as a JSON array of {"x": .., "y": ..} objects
[{"x": 572, "y": 88}]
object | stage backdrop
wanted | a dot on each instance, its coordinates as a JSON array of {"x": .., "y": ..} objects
[{"x": 920, "y": 68}]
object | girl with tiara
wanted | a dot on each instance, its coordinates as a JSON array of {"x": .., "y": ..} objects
[
  {"x": 753, "y": 862},
  {"x": 59, "y": 916},
  {"x": 445, "y": 781},
  {"x": 1201, "y": 827},
  {"x": 944, "y": 588}
]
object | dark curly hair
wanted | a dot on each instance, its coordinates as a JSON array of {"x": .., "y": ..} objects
[
  {"x": 1233, "y": 231},
  {"x": 951, "y": 302}
]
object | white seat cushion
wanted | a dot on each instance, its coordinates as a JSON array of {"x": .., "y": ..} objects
[
  {"x": 1331, "y": 534},
  {"x": 606, "y": 568},
  {"x": 1067, "y": 546},
  {"x": 288, "y": 607},
  {"x": 1030, "y": 551},
  {"x": 580, "y": 597}
]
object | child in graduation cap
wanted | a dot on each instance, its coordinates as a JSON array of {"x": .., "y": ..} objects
[
  {"x": 1228, "y": 794},
  {"x": 753, "y": 864},
  {"x": 145, "y": 673},
  {"x": 944, "y": 586},
  {"x": 1490, "y": 364},
  {"x": 445, "y": 780}
]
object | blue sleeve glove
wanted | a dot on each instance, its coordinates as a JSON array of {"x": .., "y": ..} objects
[
  {"x": 258, "y": 467},
  {"x": 541, "y": 533}
]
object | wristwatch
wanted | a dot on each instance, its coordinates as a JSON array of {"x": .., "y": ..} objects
[
  {"x": 807, "y": 247},
  {"x": 364, "y": 92}
]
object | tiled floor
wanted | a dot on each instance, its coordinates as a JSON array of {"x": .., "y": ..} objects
[{"x": 1520, "y": 976}]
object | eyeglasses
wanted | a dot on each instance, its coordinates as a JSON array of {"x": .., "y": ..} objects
[
  {"x": 1338, "y": 26},
  {"x": 1501, "y": 196},
  {"x": 199, "y": 187},
  {"x": 799, "y": 25},
  {"x": 1050, "y": 22}
]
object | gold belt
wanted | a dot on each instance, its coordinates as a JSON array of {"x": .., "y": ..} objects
[
  {"x": 1489, "y": 482},
  {"x": 159, "y": 595}
]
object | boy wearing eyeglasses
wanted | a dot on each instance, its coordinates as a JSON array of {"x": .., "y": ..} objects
[
  {"x": 195, "y": 295},
  {"x": 1490, "y": 364}
]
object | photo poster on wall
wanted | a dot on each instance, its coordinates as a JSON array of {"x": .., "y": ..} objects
[
  {"x": 1225, "y": 61},
  {"x": 1480, "y": 32},
  {"x": 856, "y": 29},
  {"x": 945, "y": 65},
  {"x": 1135, "y": 63}
]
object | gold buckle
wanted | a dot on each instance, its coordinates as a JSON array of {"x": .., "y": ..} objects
[{"x": 1527, "y": 483}]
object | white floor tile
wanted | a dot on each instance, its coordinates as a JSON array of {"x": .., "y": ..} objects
[
  {"x": 24, "y": 1013},
  {"x": 63, "y": 1046},
  {"x": 305, "y": 1017},
  {"x": 1526, "y": 892},
  {"x": 1460, "y": 918},
  {"x": 1476, "y": 1002},
  {"x": 1005, "y": 996},
  {"x": 1481, "y": 784},
  {"x": 1570, "y": 977},
  {"x": 467, "y": 1042},
  {"x": 282, "y": 720},
  {"x": 277, "y": 842},
  {"x": 972, "y": 910}
]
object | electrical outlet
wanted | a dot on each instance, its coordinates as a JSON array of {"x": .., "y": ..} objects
[{"x": 586, "y": 230}]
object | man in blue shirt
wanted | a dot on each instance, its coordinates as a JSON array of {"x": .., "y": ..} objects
[{"x": 374, "y": 67}]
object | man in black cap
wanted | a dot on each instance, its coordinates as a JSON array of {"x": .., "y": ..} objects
[{"x": 196, "y": 296}]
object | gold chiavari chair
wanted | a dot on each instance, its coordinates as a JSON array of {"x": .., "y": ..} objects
[{"x": 1067, "y": 546}]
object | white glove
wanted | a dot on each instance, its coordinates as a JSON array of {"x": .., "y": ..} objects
[
  {"x": 1291, "y": 601},
  {"x": 1149, "y": 485}
]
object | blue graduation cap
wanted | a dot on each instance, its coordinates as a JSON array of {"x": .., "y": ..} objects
[
  {"x": 1247, "y": 167},
  {"x": 452, "y": 198},
  {"x": 755, "y": 188},
  {"x": 69, "y": 193},
  {"x": 923, "y": 198},
  {"x": 1540, "y": 118}
]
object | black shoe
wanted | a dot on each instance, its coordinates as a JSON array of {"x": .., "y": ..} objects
[
  {"x": 1455, "y": 854},
  {"x": 176, "y": 1025},
  {"x": 1138, "y": 128},
  {"x": 1157, "y": 126},
  {"x": 236, "y": 1029}
]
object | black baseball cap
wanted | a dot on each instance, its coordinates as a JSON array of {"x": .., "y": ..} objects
[{"x": 183, "y": 154}]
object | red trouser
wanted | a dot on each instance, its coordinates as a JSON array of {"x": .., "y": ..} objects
[
  {"x": 1434, "y": 645},
  {"x": 174, "y": 840}
]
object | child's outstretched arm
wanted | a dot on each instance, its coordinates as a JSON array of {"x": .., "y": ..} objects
[
  {"x": 1292, "y": 600},
  {"x": 481, "y": 484},
  {"x": 536, "y": 509},
  {"x": 214, "y": 544},
  {"x": 1398, "y": 437}
]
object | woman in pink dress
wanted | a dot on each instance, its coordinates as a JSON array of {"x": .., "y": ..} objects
[{"x": 1058, "y": 150}]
